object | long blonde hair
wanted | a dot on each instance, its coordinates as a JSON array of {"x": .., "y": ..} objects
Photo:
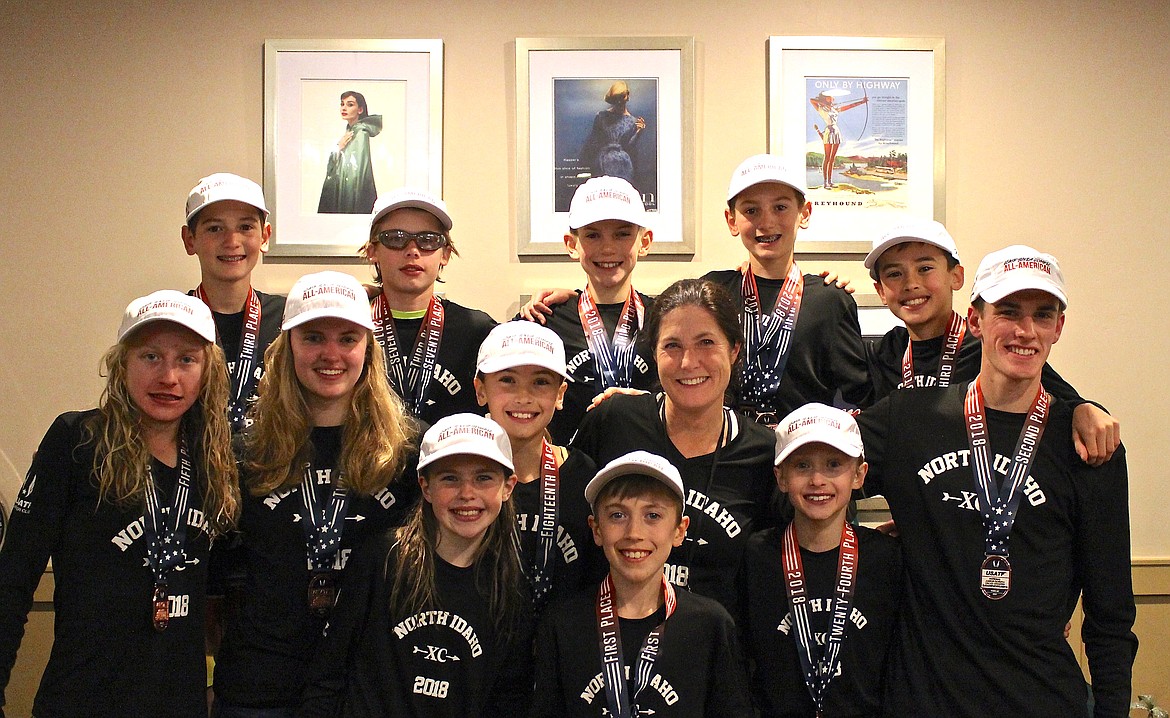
[
  {"x": 121, "y": 458},
  {"x": 376, "y": 436},
  {"x": 497, "y": 566}
]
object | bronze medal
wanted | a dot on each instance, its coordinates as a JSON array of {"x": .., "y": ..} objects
[
  {"x": 995, "y": 577},
  {"x": 161, "y": 607},
  {"x": 322, "y": 593}
]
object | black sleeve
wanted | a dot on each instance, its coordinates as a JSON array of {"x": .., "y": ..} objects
[
  {"x": 549, "y": 698},
  {"x": 34, "y": 527},
  {"x": 1055, "y": 385},
  {"x": 1103, "y": 563},
  {"x": 591, "y": 431},
  {"x": 875, "y": 424},
  {"x": 728, "y": 695},
  {"x": 847, "y": 353},
  {"x": 325, "y": 689}
]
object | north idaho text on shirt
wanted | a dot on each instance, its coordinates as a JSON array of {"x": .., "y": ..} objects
[{"x": 961, "y": 459}]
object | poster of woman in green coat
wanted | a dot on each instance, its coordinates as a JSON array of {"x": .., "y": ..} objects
[{"x": 349, "y": 176}]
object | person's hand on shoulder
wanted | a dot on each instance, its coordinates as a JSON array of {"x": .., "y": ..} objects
[
  {"x": 1096, "y": 434},
  {"x": 613, "y": 391},
  {"x": 542, "y": 303}
]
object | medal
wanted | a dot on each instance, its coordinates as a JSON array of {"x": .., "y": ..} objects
[
  {"x": 322, "y": 592},
  {"x": 999, "y": 507},
  {"x": 614, "y": 361},
  {"x": 161, "y": 607},
  {"x": 767, "y": 337},
  {"x": 995, "y": 577},
  {"x": 409, "y": 376}
]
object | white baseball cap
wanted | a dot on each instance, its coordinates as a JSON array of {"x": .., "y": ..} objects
[
  {"x": 520, "y": 343},
  {"x": 1014, "y": 269},
  {"x": 636, "y": 463},
  {"x": 602, "y": 198},
  {"x": 767, "y": 168},
  {"x": 819, "y": 424},
  {"x": 222, "y": 186},
  {"x": 926, "y": 231},
  {"x": 460, "y": 434},
  {"x": 170, "y": 306},
  {"x": 407, "y": 197},
  {"x": 327, "y": 294}
]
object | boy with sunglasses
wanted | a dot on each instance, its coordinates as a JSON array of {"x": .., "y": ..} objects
[
  {"x": 227, "y": 229},
  {"x": 430, "y": 343}
]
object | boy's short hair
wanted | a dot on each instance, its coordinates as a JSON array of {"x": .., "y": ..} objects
[
  {"x": 924, "y": 231},
  {"x": 758, "y": 169},
  {"x": 640, "y": 465},
  {"x": 637, "y": 485},
  {"x": 602, "y": 198}
]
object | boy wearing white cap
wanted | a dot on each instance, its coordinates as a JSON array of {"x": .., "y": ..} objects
[
  {"x": 434, "y": 621},
  {"x": 634, "y": 646},
  {"x": 429, "y": 342},
  {"x": 227, "y": 229},
  {"x": 520, "y": 378},
  {"x": 823, "y": 650},
  {"x": 1002, "y": 526},
  {"x": 802, "y": 340},
  {"x": 915, "y": 268},
  {"x": 599, "y": 324}
]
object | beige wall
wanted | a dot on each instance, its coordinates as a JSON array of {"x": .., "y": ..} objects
[{"x": 112, "y": 110}]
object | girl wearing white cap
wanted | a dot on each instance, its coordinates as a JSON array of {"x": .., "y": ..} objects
[
  {"x": 434, "y": 621},
  {"x": 521, "y": 380},
  {"x": 125, "y": 499},
  {"x": 725, "y": 459},
  {"x": 322, "y": 471},
  {"x": 429, "y": 342}
]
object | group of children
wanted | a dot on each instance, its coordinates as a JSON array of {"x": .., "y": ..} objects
[{"x": 387, "y": 550}]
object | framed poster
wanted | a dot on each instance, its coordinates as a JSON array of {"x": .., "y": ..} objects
[
  {"x": 343, "y": 121},
  {"x": 867, "y": 116},
  {"x": 587, "y": 107}
]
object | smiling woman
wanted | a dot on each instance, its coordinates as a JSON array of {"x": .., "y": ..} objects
[
  {"x": 124, "y": 499},
  {"x": 725, "y": 460}
]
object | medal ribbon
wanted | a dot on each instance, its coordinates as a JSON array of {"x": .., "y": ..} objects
[
  {"x": 322, "y": 525},
  {"x": 166, "y": 536},
  {"x": 243, "y": 378},
  {"x": 614, "y": 362},
  {"x": 550, "y": 475},
  {"x": 410, "y": 378},
  {"x": 768, "y": 338},
  {"x": 956, "y": 328},
  {"x": 819, "y": 671},
  {"x": 609, "y": 637},
  {"x": 999, "y": 507}
]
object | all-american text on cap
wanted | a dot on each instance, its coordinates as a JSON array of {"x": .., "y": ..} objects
[
  {"x": 225, "y": 186},
  {"x": 169, "y": 306},
  {"x": 816, "y": 423},
  {"x": 327, "y": 294},
  {"x": 1014, "y": 269},
  {"x": 465, "y": 434}
]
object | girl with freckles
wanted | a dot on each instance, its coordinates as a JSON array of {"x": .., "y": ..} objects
[
  {"x": 323, "y": 467},
  {"x": 125, "y": 500}
]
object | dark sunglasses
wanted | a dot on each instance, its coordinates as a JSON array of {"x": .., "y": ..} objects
[{"x": 398, "y": 239}]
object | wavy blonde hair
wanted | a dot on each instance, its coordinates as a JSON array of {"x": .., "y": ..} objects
[
  {"x": 376, "y": 436},
  {"x": 498, "y": 573},
  {"x": 121, "y": 457}
]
